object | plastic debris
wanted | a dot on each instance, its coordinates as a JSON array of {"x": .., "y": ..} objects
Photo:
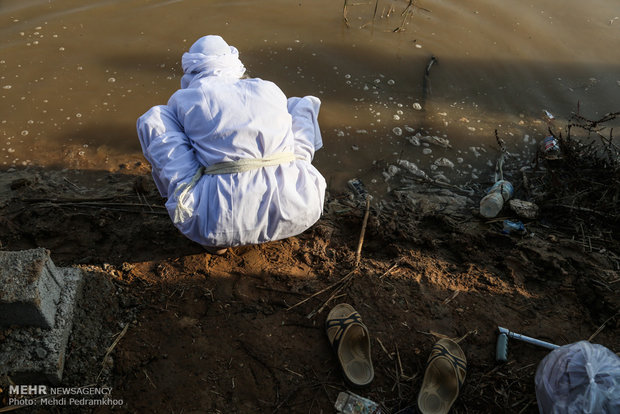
[
  {"x": 350, "y": 403},
  {"x": 492, "y": 203},
  {"x": 359, "y": 189},
  {"x": 513, "y": 227},
  {"x": 548, "y": 114},
  {"x": 579, "y": 378},
  {"x": 550, "y": 147}
]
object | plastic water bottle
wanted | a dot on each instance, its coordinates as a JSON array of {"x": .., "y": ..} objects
[{"x": 492, "y": 203}]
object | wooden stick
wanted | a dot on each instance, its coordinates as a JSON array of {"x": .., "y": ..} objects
[
  {"x": 374, "y": 15},
  {"x": 454, "y": 295},
  {"x": 146, "y": 374},
  {"x": 598, "y": 331},
  {"x": 407, "y": 8},
  {"x": 394, "y": 266},
  {"x": 383, "y": 347},
  {"x": 111, "y": 348},
  {"x": 475, "y": 332},
  {"x": 322, "y": 290},
  {"x": 358, "y": 254},
  {"x": 332, "y": 297},
  {"x": 340, "y": 284}
]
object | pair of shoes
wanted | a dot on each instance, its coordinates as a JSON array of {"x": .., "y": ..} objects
[
  {"x": 216, "y": 250},
  {"x": 445, "y": 371}
]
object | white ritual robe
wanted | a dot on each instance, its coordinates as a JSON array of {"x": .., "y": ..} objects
[{"x": 223, "y": 118}]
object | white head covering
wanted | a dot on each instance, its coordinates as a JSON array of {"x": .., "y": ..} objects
[{"x": 210, "y": 56}]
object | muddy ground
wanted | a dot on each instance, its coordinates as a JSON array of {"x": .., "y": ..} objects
[{"x": 244, "y": 332}]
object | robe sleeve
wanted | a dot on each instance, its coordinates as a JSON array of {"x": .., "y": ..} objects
[
  {"x": 306, "y": 131},
  {"x": 166, "y": 148}
]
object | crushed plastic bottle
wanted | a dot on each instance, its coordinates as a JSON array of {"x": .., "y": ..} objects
[
  {"x": 350, "y": 403},
  {"x": 493, "y": 202}
]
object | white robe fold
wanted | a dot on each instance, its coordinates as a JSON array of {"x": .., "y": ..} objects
[{"x": 223, "y": 118}]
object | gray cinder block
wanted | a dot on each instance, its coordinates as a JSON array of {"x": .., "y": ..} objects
[
  {"x": 30, "y": 288},
  {"x": 31, "y": 355}
]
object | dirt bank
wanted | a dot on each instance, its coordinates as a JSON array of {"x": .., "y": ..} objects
[{"x": 243, "y": 333}]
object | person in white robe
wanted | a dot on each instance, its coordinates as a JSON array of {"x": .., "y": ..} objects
[{"x": 233, "y": 155}]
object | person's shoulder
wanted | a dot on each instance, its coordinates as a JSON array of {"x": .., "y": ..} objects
[
  {"x": 265, "y": 85},
  {"x": 184, "y": 99},
  {"x": 264, "y": 81},
  {"x": 185, "y": 94}
]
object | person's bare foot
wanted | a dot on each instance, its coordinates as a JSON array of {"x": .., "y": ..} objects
[{"x": 216, "y": 250}]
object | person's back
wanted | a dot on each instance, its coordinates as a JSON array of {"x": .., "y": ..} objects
[
  {"x": 227, "y": 119},
  {"x": 233, "y": 155}
]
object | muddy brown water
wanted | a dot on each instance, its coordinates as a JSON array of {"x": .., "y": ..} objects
[{"x": 75, "y": 76}]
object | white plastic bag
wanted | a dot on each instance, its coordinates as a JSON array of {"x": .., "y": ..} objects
[{"x": 579, "y": 378}]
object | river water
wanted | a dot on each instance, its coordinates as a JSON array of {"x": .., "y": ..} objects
[{"x": 75, "y": 75}]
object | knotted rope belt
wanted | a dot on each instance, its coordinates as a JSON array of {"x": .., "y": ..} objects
[{"x": 182, "y": 212}]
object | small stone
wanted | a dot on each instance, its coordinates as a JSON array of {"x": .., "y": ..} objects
[
  {"x": 414, "y": 140},
  {"x": 524, "y": 209},
  {"x": 41, "y": 353},
  {"x": 444, "y": 162}
]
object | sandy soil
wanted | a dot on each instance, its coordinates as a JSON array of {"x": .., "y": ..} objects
[{"x": 244, "y": 332}]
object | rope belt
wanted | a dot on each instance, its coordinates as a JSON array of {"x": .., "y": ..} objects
[{"x": 182, "y": 213}]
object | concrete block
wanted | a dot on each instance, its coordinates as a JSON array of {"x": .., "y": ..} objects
[
  {"x": 30, "y": 288},
  {"x": 32, "y": 355}
]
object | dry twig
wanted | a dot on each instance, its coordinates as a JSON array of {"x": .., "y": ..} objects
[
  {"x": 358, "y": 254},
  {"x": 600, "y": 329},
  {"x": 111, "y": 348}
]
